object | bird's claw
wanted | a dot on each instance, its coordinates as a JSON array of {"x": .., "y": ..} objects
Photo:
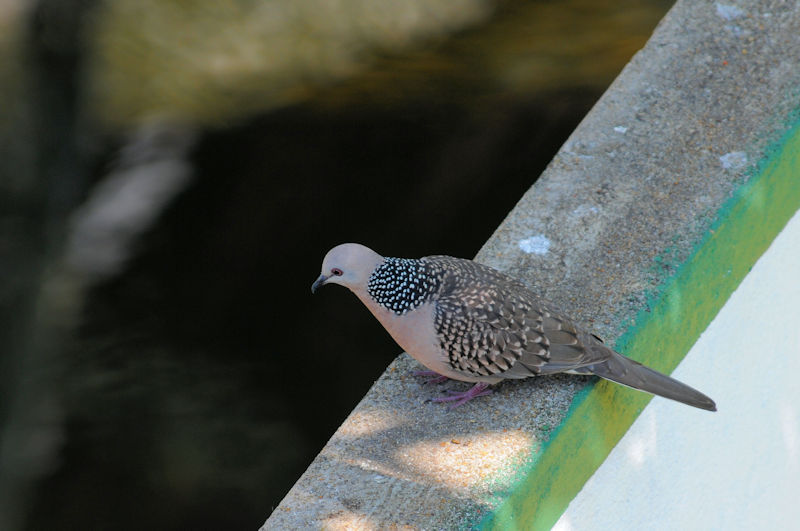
[{"x": 460, "y": 398}]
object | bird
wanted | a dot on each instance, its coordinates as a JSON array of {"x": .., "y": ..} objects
[{"x": 467, "y": 321}]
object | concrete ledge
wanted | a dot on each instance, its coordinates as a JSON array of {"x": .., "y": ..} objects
[{"x": 643, "y": 224}]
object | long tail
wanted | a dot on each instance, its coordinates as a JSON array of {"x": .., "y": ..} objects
[{"x": 625, "y": 371}]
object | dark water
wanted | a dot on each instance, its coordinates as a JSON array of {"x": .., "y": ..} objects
[
  {"x": 206, "y": 377},
  {"x": 200, "y": 381}
]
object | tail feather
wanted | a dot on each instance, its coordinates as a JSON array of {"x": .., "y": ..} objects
[{"x": 626, "y": 371}]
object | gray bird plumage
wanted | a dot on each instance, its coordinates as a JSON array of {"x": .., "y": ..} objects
[{"x": 470, "y": 322}]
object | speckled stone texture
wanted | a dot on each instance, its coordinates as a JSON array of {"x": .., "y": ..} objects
[{"x": 620, "y": 207}]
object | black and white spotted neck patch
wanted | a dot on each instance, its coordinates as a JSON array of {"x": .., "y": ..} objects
[{"x": 402, "y": 284}]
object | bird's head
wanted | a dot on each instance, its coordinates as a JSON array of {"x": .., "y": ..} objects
[{"x": 349, "y": 265}]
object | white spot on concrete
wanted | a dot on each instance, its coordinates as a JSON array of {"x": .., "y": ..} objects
[
  {"x": 734, "y": 160},
  {"x": 538, "y": 244},
  {"x": 584, "y": 210},
  {"x": 735, "y": 30},
  {"x": 729, "y": 12},
  {"x": 621, "y": 129}
]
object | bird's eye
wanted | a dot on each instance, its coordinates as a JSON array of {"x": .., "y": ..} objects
[{"x": 336, "y": 272}]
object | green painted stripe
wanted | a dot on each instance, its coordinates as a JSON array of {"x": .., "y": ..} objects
[{"x": 602, "y": 413}]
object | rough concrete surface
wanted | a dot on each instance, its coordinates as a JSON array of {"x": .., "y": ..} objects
[{"x": 622, "y": 204}]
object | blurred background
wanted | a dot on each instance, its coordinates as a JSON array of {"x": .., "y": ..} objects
[{"x": 172, "y": 173}]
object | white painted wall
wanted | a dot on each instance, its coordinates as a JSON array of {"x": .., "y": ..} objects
[{"x": 678, "y": 468}]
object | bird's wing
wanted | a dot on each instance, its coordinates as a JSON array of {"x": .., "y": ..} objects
[
  {"x": 510, "y": 337},
  {"x": 492, "y": 325}
]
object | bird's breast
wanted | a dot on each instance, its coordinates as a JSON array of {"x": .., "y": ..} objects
[{"x": 415, "y": 333}]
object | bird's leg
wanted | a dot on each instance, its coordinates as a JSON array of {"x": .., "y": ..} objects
[
  {"x": 479, "y": 389},
  {"x": 433, "y": 377}
]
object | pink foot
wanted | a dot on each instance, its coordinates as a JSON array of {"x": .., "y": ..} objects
[
  {"x": 479, "y": 389},
  {"x": 433, "y": 377}
]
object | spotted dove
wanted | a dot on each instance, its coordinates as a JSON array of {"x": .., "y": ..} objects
[{"x": 469, "y": 322}]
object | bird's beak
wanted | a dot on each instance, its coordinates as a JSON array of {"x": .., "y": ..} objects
[{"x": 318, "y": 283}]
